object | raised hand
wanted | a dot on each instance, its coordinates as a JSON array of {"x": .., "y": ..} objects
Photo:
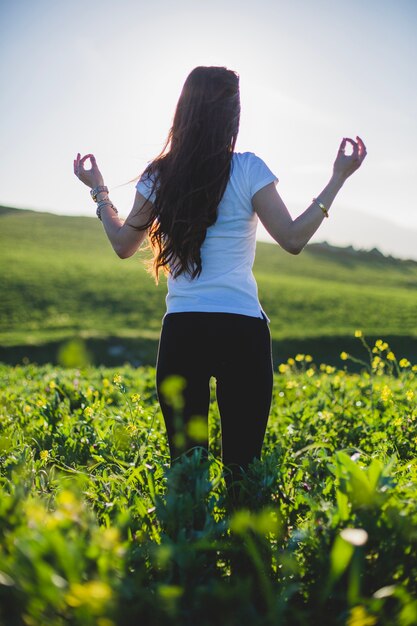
[
  {"x": 92, "y": 177},
  {"x": 346, "y": 164}
]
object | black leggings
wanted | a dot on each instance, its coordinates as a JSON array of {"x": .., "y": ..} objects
[{"x": 236, "y": 350}]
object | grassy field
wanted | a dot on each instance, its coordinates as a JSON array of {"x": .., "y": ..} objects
[
  {"x": 60, "y": 278},
  {"x": 97, "y": 530}
]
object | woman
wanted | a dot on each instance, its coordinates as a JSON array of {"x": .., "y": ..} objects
[{"x": 199, "y": 203}]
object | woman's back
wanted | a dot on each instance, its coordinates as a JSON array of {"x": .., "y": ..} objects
[{"x": 226, "y": 283}]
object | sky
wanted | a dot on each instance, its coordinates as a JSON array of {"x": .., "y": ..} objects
[{"x": 104, "y": 77}]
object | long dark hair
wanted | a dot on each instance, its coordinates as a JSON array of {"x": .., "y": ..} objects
[{"x": 191, "y": 173}]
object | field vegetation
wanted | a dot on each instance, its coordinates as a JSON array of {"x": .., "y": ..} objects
[
  {"x": 60, "y": 279},
  {"x": 98, "y": 530}
]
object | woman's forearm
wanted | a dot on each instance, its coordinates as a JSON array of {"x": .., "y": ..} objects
[
  {"x": 111, "y": 222},
  {"x": 306, "y": 224},
  {"x": 128, "y": 235}
]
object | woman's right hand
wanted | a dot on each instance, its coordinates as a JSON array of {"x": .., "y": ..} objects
[{"x": 346, "y": 164}]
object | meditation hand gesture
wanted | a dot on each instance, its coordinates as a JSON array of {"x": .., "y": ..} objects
[
  {"x": 346, "y": 164},
  {"x": 92, "y": 177}
]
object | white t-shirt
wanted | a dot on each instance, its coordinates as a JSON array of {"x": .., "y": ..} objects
[{"x": 226, "y": 283}]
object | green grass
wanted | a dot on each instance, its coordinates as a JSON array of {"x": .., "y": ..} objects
[
  {"x": 60, "y": 278},
  {"x": 98, "y": 531}
]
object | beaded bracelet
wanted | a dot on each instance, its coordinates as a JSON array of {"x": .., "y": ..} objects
[
  {"x": 102, "y": 204},
  {"x": 323, "y": 208}
]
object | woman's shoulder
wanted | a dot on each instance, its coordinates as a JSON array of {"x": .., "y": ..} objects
[
  {"x": 244, "y": 157},
  {"x": 249, "y": 167},
  {"x": 248, "y": 162}
]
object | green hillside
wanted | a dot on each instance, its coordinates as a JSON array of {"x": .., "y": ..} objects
[{"x": 60, "y": 278}]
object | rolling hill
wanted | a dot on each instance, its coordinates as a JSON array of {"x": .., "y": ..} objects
[{"x": 60, "y": 279}]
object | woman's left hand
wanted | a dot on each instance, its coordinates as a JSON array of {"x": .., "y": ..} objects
[{"x": 92, "y": 177}]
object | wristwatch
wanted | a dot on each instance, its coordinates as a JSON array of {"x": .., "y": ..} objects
[{"x": 96, "y": 190}]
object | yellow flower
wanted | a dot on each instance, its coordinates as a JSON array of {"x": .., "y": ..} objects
[
  {"x": 52, "y": 384},
  {"x": 309, "y": 358},
  {"x": 132, "y": 429},
  {"x": 325, "y": 415},
  {"x": 409, "y": 395},
  {"x": 330, "y": 369},
  {"x": 414, "y": 368},
  {"x": 391, "y": 356},
  {"x": 344, "y": 356},
  {"x": 404, "y": 363},
  {"x": 117, "y": 379},
  {"x": 359, "y": 616},
  {"x": 88, "y": 411},
  {"x": 282, "y": 368},
  {"x": 386, "y": 393},
  {"x": 358, "y": 333},
  {"x": 398, "y": 421},
  {"x": 44, "y": 455},
  {"x": 135, "y": 397},
  {"x": 376, "y": 360},
  {"x": 300, "y": 357},
  {"x": 291, "y": 361},
  {"x": 93, "y": 594},
  {"x": 310, "y": 372},
  {"x": 291, "y": 384}
]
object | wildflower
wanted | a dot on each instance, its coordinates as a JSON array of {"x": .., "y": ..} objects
[
  {"x": 414, "y": 368},
  {"x": 300, "y": 357},
  {"x": 409, "y": 395},
  {"x": 117, "y": 379},
  {"x": 310, "y": 372},
  {"x": 358, "y": 333},
  {"x": 135, "y": 397},
  {"x": 291, "y": 384},
  {"x": 391, "y": 356},
  {"x": 44, "y": 455},
  {"x": 93, "y": 594},
  {"x": 291, "y": 361},
  {"x": 386, "y": 393},
  {"x": 325, "y": 415},
  {"x": 132, "y": 429},
  {"x": 398, "y": 421},
  {"x": 88, "y": 411},
  {"x": 330, "y": 369},
  {"x": 377, "y": 363},
  {"x": 52, "y": 384},
  {"x": 344, "y": 356},
  {"x": 359, "y": 616},
  {"x": 282, "y": 368},
  {"x": 404, "y": 363},
  {"x": 309, "y": 358}
]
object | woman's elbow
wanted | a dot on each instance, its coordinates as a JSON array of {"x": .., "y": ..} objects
[
  {"x": 292, "y": 247},
  {"x": 123, "y": 253},
  {"x": 295, "y": 249}
]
